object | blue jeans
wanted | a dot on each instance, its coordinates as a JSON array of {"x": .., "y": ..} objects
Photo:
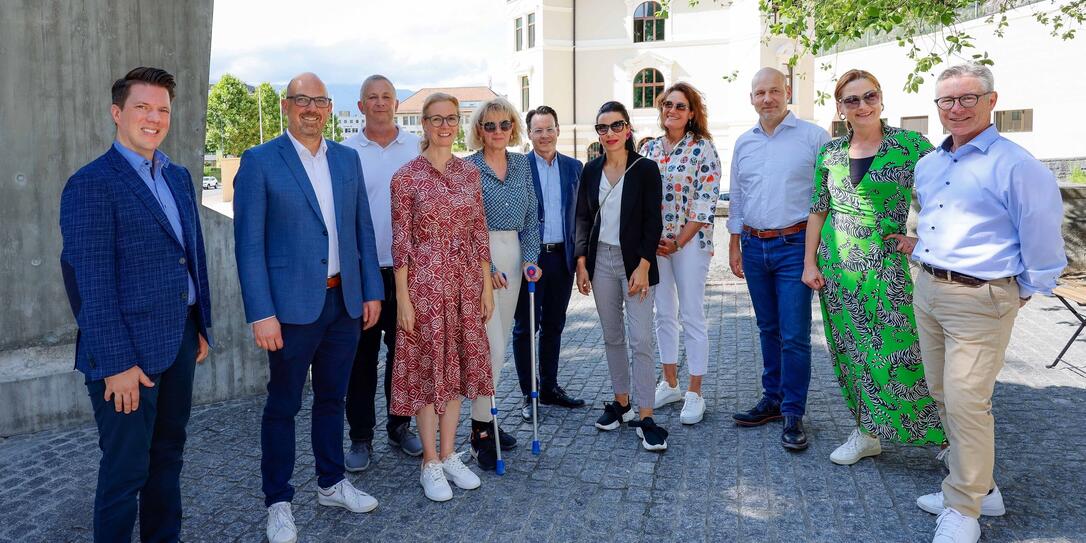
[{"x": 782, "y": 306}]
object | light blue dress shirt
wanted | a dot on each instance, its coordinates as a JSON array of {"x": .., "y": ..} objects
[
  {"x": 990, "y": 210},
  {"x": 772, "y": 175},
  {"x": 152, "y": 176},
  {"x": 550, "y": 182}
]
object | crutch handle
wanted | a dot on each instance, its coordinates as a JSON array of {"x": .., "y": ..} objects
[{"x": 531, "y": 271}]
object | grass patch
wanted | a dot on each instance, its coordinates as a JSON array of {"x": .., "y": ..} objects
[{"x": 1078, "y": 176}]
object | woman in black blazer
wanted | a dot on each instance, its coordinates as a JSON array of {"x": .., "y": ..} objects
[{"x": 618, "y": 228}]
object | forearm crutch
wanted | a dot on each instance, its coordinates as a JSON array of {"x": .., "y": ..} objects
[
  {"x": 499, "y": 466},
  {"x": 531, "y": 271}
]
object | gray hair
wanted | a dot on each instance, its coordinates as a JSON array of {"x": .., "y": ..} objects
[
  {"x": 371, "y": 80},
  {"x": 979, "y": 71}
]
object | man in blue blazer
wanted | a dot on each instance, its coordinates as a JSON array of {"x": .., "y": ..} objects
[
  {"x": 136, "y": 277},
  {"x": 555, "y": 177},
  {"x": 307, "y": 261}
]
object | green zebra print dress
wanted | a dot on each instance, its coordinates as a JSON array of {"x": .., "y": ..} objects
[{"x": 867, "y": 301}]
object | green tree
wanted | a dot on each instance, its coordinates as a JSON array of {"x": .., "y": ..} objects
[
  {"x": 231, "y": 117},
  {"x": 333, "y": 130},
  {"x": 268, "y": 100},
  {"x": 927, "y": 30},
  {"x": 460, "y": 144}
]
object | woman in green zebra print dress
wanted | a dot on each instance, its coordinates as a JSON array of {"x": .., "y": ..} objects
[{"x": 862, "y": 192}]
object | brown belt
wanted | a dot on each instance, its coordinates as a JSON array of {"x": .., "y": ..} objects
[
  {"x": 334, "y": 281},
  {"x": 954, "y": 276},
  {"x": 766, "y": 234}
]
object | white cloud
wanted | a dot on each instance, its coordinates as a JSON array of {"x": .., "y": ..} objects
[{"x": 414, "y": 42}]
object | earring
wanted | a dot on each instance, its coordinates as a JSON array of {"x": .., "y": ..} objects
[{"x": 841, "y": 115}]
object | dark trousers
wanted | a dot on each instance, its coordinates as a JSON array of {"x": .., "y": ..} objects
[
  {"x": 782, "y": 307},
  {"x": 361, "y": 414},
  {"x": 552, "y": 294},
  {"x": 142, "y": 452},
  {"x": 328, "y": 345}
]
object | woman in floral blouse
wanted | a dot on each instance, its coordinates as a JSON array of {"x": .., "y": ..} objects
[{"x": 690, "y": 171}]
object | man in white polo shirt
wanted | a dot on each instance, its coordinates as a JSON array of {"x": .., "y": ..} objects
[{"x": 383, "y": 148}]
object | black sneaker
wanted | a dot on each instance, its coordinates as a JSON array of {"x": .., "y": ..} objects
[
  {"x": 614, "y": 414},
  {"x": 558, "y": 397},
  {"x": 482, "y": 446},
  {"x": 653, "y": 437},
  {"x": 767, "y": 410},
  {"x": 507, "y": 441}
]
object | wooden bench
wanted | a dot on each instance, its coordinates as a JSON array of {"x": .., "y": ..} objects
[{"x": 1068, "y": 293}]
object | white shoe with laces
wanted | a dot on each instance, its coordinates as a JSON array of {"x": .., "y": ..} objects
[
  {"x": 990, "y": 505},
  {"x": 693, "y": 408},
  {"x": 858, "y": 446},
  {"x": 344, "y": 494},
  {"x": 459, "y": 474},
  {"x": 434, "y": 484},
  {"x": 954, "y": 527},
  {"x": 281, "y": 528},
  {"x": 666, "y": 394}
]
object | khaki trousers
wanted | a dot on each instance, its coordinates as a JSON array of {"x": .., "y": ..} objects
[
  {"x": 505, "y": 254},
  {"x": 964, "y": 333}
]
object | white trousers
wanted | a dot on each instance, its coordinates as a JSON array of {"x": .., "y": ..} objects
[
  {"x": 682, "y": 292},
  {"x": 505, "y": 255}
]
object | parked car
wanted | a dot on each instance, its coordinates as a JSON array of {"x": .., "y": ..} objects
[{"x": 210, "y": 182}]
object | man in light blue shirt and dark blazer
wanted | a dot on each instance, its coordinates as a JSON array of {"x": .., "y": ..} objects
[
  {"x": 307, "y": 262},
  {"x": 555, "y": 177},
  {"x": 135, "y": 273},
  {"x": 989, "y": 238},
  {"x": 772, "y": 176}
]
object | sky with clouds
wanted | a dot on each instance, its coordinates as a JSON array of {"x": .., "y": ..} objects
[{"x": 416, "y": 43}]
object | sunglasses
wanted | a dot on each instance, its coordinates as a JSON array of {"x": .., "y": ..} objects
[
  {"x": 492, "y": 126},
  {"x": 668, "y": 104},
  {"x": 870, "y": 98},
  {"x": 616, "y": 127}
]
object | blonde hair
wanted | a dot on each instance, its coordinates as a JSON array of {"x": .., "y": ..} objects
[
  {"x": 499, "y": 105},
  {"x": 434, "y": 98}
]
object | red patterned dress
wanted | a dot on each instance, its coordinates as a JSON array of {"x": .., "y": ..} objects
[{"x": 439, "y": 232}]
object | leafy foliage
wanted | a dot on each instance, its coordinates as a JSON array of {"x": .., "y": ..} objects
[{"x": 231, "y": 117}]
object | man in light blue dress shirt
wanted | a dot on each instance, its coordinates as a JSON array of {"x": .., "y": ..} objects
[
  {"x": 989, "y": 238},
  {"x": 772, "y": 175}
]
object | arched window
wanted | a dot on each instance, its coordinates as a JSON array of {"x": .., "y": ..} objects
[
  {"x": 594, "y": 151},
  {"x": 648, "y": 83},
  {"x": 647, "y": 26}
]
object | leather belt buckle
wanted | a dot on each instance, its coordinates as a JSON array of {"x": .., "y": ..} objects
[
  {"x": 334, "y": 281},
  {"x": 551, "y": 247}
]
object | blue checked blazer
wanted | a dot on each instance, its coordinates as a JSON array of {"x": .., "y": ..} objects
[
  {"x": 569, "y": 169},
  {"x": 280, "y": 240},
  {"x": 125, "y": 273}
]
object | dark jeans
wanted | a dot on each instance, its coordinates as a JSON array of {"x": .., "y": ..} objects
[
  {"x": 328, "y": 345},
  {"x": 361, "y": 414},
  {"x": 782, "y": 306},
  {"x": 142, "y": 451},
  {"x": 551, "y": 300}
]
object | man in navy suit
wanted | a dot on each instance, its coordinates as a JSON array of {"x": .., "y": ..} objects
[
  {"x": 307, "y": 261},
  {"x": 555, "y": 177},
  {"x": 135, "y": 274}
]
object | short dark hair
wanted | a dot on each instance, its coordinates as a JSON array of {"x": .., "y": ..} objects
[
  {"x": 541, "y": 110},
  {"x": 150, "y": 76}
]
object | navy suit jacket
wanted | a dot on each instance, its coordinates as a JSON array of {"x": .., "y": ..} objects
[
  {"x": 281, "y": 241},
  {"x": 125, "y": 272},
  {"x": 569, "y": 170}
]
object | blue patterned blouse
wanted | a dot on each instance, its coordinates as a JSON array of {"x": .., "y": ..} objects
[{"x": 511, "y": 204}]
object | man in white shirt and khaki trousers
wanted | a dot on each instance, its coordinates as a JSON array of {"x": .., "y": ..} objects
[{"x": 988, "y": 238}]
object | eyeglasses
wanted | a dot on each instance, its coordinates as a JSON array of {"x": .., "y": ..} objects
[
  {"x": 437, "y": 120},
  {"x": 946, "y": 103},
  {"x": 668, "y": 104},
  {"x": 550, "y": 131},
  {"x": 302, "y": 100},
  {"x": 493, "y": 126},
  {"x": 870, "y": 98},
  {"x": 616, "y": 127}
]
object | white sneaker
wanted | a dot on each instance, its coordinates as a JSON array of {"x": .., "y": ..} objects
[
  {"x": 954, "y": 527},
  {"x": 693, "y": 408},
  {"x": 344, "y": 494},
  {"x": 281, "y": 527},
  {"x": 990, "y": 505},
  {"x": 434, "y": 484},
  {"x": 665, "y": 394},
  {"x": 459, "y": 474},
  {"x": 859, "y": 445}
]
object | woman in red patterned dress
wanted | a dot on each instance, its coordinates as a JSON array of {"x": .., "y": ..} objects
[{"x": 441, "y": 255}]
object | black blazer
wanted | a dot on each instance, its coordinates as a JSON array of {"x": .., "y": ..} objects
[{"x": 640, "y": 223}]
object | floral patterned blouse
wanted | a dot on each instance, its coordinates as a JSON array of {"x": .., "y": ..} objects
[{"x": 691, "y": 176}]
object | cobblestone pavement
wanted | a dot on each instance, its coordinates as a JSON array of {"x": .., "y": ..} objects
[{"x": 716, "y": 482}]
